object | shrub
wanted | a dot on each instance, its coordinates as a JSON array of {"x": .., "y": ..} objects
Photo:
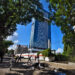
[
  {"x": 45, "y": 53},
  {"x": 72, "y": 58},
  {"x": 61, "y": 57}
]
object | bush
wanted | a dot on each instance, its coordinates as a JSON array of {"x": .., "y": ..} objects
[
  {"x": 45, "y": 53},
  {"x": 72, "y": 59},
  {"x": 61, "y": 57}
]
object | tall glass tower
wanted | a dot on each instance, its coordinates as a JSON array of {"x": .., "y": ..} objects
[{"x": 40, "y": 33}]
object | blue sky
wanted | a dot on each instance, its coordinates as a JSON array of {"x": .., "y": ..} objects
[{"x": 23, "y": 33}]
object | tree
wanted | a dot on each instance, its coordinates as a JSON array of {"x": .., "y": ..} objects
[
  {"x": 17, "y": 11},
  {"x": 63, "y": 15},
  {"x": 3, "y": 48},
  {"x": 45, "y": 53},
  {"x": 10, "y": 52}
]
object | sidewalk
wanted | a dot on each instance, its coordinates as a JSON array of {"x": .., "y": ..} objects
[
  {"x": 61, "y": 65},
  {"x": 69, "y": 68},
  {"x": 19, "y": 68}
]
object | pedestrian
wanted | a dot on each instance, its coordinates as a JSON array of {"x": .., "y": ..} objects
[
  {"x": 36, "y": 64},
  {"x": 19, "y": 58},
  {"x": 11, "y": 61},
  {"x": 16, "y": 58},
  {"x": 29, "y": 59},
  {"x": 35, "y": 58}
]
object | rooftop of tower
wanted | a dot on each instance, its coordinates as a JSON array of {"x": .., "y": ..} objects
[{"x": 46, "y": 14}]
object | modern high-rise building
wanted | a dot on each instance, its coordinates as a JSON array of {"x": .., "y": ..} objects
[{"x": 40, "y": 33}]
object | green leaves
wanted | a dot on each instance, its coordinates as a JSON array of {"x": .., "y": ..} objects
[
  {"x": 13, "y": 12},
  {"x": 45, "y": 53},
  {"x": 18, "y": 11},
  {"x": 62, "y": 14},
  {"x": 6, "y": 44}
]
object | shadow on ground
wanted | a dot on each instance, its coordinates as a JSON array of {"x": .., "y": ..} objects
[
  {"x": 22, "y": 72},
  {"x": 69, "y": 72},
  {"x": 20, "y": 69},
  {"x": 6, "y": 64},
  {"x": 12, "y": 74}
]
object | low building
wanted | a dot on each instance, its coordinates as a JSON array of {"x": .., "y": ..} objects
[{"x": 21, "y": 49}]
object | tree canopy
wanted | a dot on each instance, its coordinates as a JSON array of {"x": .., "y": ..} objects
[
  {"x": 14, "y": 12},
  {"x": 63, "y": 15},
  {"x": 17, "y": 11}
]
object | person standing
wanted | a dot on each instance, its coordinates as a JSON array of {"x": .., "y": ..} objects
[
  {"x": 19, "y": 58},
  {"x": 29, "y": 59},
  {"x": 11, "y": 61}
]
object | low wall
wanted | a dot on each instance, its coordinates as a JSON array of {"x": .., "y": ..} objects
[{"x": 26, "y": 55}]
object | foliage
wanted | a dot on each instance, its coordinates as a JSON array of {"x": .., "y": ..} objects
[
  {"x": 72, "y": 59},
  {"x": 63, "y": 15},
  {"x": 10, "y": 52},
  {"x": 6, "y": 43},
  {"x": 45, "y": 53},
  {"x": 13, "y": 12},
  {"x": 17, "y": 11},
  {"x": 60, "y": 57},
  {"x": 4, "y": 46}
]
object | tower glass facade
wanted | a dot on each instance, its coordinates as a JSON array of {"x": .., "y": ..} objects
[{"x": 40, "y": 33}]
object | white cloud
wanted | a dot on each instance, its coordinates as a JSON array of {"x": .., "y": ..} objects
[
  {"x": 15, "y": 34},
  {"x": 14, "y": 39},
  {"x": 59, "y": 50},
  {"x": 12, "y": 47},
  {"x": 9, "y": 38}
]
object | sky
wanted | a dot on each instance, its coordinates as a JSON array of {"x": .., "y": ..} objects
[{"x": 22, "y": 34}]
